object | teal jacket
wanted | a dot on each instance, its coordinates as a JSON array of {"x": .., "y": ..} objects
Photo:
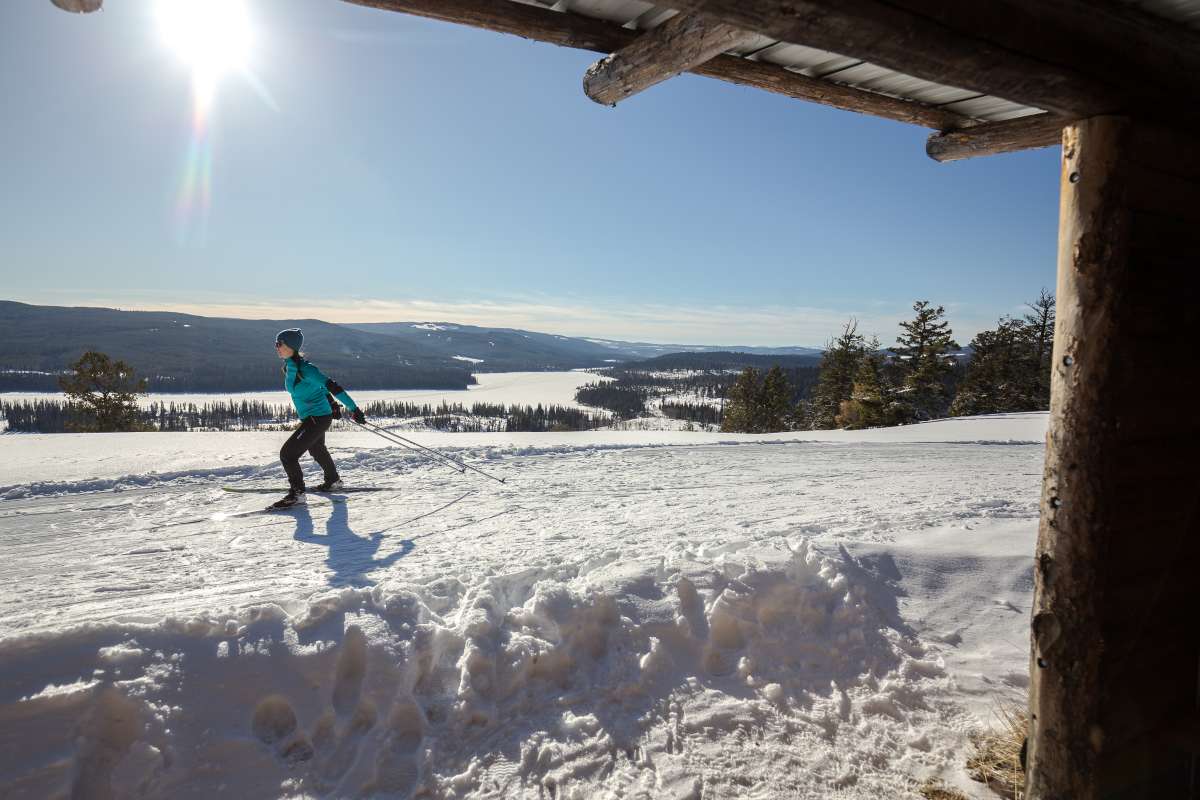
[{"x": 309, "y": 388}]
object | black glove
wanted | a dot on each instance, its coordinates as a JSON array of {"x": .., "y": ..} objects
[{"x": 358, "y": 416}]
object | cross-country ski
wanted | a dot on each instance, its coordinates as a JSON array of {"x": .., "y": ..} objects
[{"x": 283, "y": 489}]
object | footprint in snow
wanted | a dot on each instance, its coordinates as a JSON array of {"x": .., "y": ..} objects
[
  {"x": 351, "y": 669},
  {"x": 339, "y": 733},
  {"x": 274, "y": 724},
  {"x": 107, "y": 733},
  {"x": 398, "y": 768},
  {"x": 338, "y": 750}
]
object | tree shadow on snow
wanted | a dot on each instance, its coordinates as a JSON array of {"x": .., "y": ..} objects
[{"x": 351, "y": 556}]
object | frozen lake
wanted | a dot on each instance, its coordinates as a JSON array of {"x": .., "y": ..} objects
[{"x": 503, "y": 388}]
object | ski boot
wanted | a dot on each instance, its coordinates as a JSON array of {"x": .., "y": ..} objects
[{"x": 292, "y": 498}]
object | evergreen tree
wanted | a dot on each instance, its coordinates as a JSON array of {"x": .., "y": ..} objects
[
  {"x": 1010, "y": 366},
  {"x": 997, "y": 376},
  {"x": 774, "y": 406},
  {"x": 873, "y": 400},
  {"x": 740, "y": 415},
  {"x": 864, "y": 408},
  {"x": 104, "y": 394},
  {"x": 839, "y": 366},
  {"x": 922, "y": 349},
  {"x": 1039, "y": 333}
]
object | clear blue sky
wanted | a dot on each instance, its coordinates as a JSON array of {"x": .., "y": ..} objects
[{"x": 378, "y": 166}]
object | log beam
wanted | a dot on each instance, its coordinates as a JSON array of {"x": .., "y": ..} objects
[
  {"x": 1113, "y": 663},
  {"x": 1051, "y": 54},
  {"x": 79, "y": 6},
  {"x": 677, "y": 45},
  {"x": 991, "y": 138},
  {"x": 574, "y": 30}
]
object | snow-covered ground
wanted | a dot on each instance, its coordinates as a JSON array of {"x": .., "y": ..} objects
[
  {"x": 658, "y": 614},
  {"x": 504, "y": 388}
]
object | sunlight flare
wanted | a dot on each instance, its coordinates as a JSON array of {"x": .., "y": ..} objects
[{"x": 213, "y": 38}]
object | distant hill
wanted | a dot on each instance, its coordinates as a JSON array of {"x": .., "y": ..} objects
[
  {"x": 722, "y": 360},
  {"x": 183, "y": 352},
  {"x": 646, "y": 350},
  {"x": 507, "y": 349},
  {"x": 189, "y": 353},
  {"x": 498, "y": 349}
]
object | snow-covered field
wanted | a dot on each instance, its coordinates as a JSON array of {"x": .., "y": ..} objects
[
  {"x": 658, "y": 614},
  {"x": 504, "y": 388}
]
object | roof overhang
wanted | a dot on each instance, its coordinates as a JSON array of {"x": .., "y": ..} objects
[{"x": 987, "y": 77}]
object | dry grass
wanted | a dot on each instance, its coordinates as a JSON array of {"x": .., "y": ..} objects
[
  {"x": 934, "y": 789},
  {"x": 997, "y": 757}
]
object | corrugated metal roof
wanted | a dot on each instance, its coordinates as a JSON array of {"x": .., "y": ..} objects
[
  {"x": 836, "y": 68},
  {"x": 809, "y": 61}
]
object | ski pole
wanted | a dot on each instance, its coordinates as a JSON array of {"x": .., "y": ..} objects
[
  {"x": 395, "y": 438},
  {"x": 444, "y": 456},
  {"x": 448, "y": 459}
]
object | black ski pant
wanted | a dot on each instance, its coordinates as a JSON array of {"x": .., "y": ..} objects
[{"x": 308, "y": 438}]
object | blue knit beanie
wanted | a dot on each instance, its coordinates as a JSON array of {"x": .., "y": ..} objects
[{"x": 292, "y": 337}]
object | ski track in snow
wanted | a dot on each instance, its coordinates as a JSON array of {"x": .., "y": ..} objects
[{"x": 794, "y": 619}]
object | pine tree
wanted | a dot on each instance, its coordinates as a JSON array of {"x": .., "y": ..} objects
[
  {"x": 997, "y": 377},
  {"x": 104, "y": 394},
  {"x": 873, "y": 401},
  {"x": 839, "y": 365},
  {"x": 739, "y": 413},
  {"x": 1039, "y": 333},
  {"x": 1010, "y": 366},
  {"x": 922, "y": 351},
  {"x": 864, "y": 408},
  {"x": 774, "y": 404}
]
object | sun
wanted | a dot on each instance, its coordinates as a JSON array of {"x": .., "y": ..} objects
[{"x": 213, "y": 37}]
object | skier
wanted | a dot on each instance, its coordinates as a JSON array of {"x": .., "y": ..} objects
[{"x": 313, "y": 395}]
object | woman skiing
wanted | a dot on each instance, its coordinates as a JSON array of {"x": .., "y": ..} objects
[{"x": 311, "y": 393}]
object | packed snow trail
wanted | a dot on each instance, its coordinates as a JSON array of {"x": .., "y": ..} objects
[
  {"x": 182, "y": 550},
  {"x": 761, "y": 620}
]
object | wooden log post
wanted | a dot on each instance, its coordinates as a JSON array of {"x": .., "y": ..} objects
[
  {"x": 679, "y": 44},
  {"x": 991, "y": 138},
  {"x": 79, "y": 6},
  {"x": 1115, "y": 638}
]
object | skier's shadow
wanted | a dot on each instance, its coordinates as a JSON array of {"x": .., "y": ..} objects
[{"x": 351, "y": 556}]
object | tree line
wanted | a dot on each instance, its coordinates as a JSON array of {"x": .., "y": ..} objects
[
  {"x": 631, "y": 389},
  {"x": 57, "y": 416},
  {"x": 704, "y": 413},
  {"x": 626, "y": 400},
  {"x": 921, "y": 377},
  {"x": 231, "y": 378},
  {"x": 102, "y": 395}
]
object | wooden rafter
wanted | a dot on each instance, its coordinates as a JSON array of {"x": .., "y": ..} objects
[
  {"x": 990, "y": 138},
  {"x": 1059, "y": 55},
  {"x": 677, "y": 45},
  {"x": 79, "y": 6},
  {"x": 574, "y": 30}
]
